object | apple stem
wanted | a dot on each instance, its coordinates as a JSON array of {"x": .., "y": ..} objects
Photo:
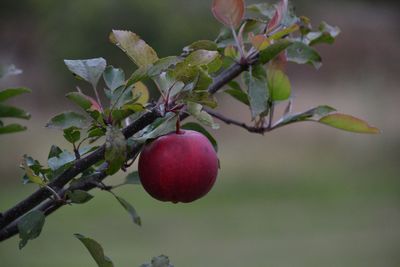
[{"x": 178, "y": 126}]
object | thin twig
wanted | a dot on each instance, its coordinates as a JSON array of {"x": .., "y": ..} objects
[{"x": 229, "y": 121}]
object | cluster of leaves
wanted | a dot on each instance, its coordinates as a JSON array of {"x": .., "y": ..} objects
[
  {"x": 279, "y": 37},
  {"x": 262, "y": 37},
  {"x": 7, "y": 111}
]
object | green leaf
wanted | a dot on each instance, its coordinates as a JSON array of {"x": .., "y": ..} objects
[
  {"x": 279, "y": 85},
  {"x": 13, "y": 112},
  {"x": 10, "y": 70},
  {"x": 256, "y": 81},
  {"x": 11, "y": 128},
  {"x": 348, "y": 123},
  {"x": 196, "y": 110},
  {"x": 202, "y": 97},
  {"x": 55, "y": 151},
  {"x": 132, "y": 178},
  {"x": 96, "y": 251},
  {"x": 61, "y": 160},
  {"x": 198, "y": 128},
  {"x": 96, "y": 132},
  {"x": 12, "y": 92},
  {"x": 130, "y": 209},
  {"x": 263, "y": 11},
  {"x": 79, "y": 196},
  {"x": 274, "y": 50},
  {"x": 72, "y": 135},
  {"x": 139, "y": 75},
  {"x": 286, "y": 31},
  {"x": 201, "y": 57},
  {"x": 201, "y": 45},
  {"x": 33, "y": 178},
  {"x": 203, "y": 81},
  {"x": 188, "y": 70},
  {"x": 159, "y": 128},
  {"x": 87, "y": 103},
  {"x": 236, "y": 92},
  {"x": 67, "y": 120},
  {"x": 311, "y": 114},
  {"x": 137, "y": 50},
  {"x": 116, "y": 149},
  {"x": 301, "y": 53},
  {"x": 114, "y": 77},
  {"x": 326, "y": 34},
  {"x": 30, "y": 226},
  {"x": 89, "y": 70},
  {"x": 163, "y": 65}
]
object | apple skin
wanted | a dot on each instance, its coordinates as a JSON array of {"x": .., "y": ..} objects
[{"x": 178, "y": 167}]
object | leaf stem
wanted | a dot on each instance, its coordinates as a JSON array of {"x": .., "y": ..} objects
[
  {"x": 98, "y": 98},
  {"x": 239, "y": 44}
]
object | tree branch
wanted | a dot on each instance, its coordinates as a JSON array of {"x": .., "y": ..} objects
[
  {"x": 9, "y": 219},
  {"x": 79, "y": 166}
]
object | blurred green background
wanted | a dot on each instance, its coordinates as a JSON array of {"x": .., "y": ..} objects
[{"x": 305, "y": 195}]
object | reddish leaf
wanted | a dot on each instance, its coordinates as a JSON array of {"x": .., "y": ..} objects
[
  {"x": 280, "y": 12},
  {"x": 280, "y": 61},
  {"x": 229, "y": 12},
  {"x": 95, "y": 106},
  {"x": 260, "y": 42}
]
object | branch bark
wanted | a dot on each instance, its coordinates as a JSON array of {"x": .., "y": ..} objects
[{"x": 9, "y": 219}]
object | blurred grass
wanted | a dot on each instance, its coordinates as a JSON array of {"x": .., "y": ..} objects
[{"x": 310, "y": 216}]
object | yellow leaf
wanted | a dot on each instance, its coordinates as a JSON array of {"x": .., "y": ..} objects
[
  {"x": 31, "y": 175},
  {"x": 140, "y": 90}
]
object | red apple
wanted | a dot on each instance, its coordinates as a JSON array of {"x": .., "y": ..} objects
[{"x": 178, "y": 167}]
